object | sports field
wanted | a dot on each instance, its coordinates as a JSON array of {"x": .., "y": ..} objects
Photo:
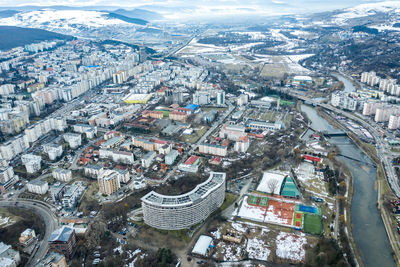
[
  {"x": 253, "y": 200},
  {"x": 263, "y": 202},
  {"x": 298, "y": 219},
  {"x": 278, "y": 211},
  {"x": 312, "y": 224}
]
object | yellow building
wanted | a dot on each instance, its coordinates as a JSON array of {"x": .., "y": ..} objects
[
  {"x": 108, "y": 182},
  {"x": 137, "y": 98}
]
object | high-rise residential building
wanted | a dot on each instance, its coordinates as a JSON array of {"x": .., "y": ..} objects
[
  {"x": 343, "y": 101},
  {"x": 220, "y": 97},
  {"x": 109, "y": 182},
  {"x": 31, "y": 162}
]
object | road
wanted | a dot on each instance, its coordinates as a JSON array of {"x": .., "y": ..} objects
[
  {"x": 49, "y": 218},
  {"x": 201, "y": 140}
]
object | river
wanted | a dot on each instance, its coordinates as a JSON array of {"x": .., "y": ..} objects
[
  {"x": 368, "y": 230},
  {"x": 348, "y": 85}
]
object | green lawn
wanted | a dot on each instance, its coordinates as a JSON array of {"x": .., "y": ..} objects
[
  {"x": 229, "y": 199},
  {"x": 312, "y": 224},
  {"x": 196, "y": 135}
]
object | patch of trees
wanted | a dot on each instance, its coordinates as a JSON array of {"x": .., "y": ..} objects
[
  {"x": 331, "y": 178},
  {"x": 325, "y": 253},
  {"x": 27, "y": 219},
  {"x": 362, "y": 28},
  {"x": 148, "y": 50},
  {"x": 181, "y": 185},
  {"x": 127, "y": 19},
  {"x": 11, "y": 36},
  {"x": 267, "y": 91}
]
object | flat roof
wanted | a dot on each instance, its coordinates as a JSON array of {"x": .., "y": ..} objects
[
  {"x": 199, "y": 192},
  {"x": 137, "y": 97},
  {"x": 202, "y": 245}
]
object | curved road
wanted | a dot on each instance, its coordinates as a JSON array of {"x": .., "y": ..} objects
[{"x": 43, "y": 210}]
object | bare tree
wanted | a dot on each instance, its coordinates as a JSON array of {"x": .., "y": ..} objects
[{"x": 272, "y": 184}]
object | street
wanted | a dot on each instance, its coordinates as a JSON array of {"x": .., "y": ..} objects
[{"x": 49, "y": 219}]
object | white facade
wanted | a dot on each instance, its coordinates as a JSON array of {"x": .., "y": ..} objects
[
  {"x": 38, "y": 187},
  {"x": 394, "y": 122},
  {"x": 183, "y": 211},
  {"x": 370, "y": 108},
  {"x": 74, "y": 140},
  {"x": 242, "y": 100},
  {"x": 343, "y": 101},
  {"x": 89, "y": 130},
  {"x": 62, "y": 175},
  {"x": 242, "y": 144},
  {"x": 148, "y": 159},
  {"x": 53, "y": 150},
  {"x": 32, "y": 162},
  {"x": 93, "y": 171},
  {"x": 201, "y": 98},
  {"x": 221, "y": 97},
  {"x": 117, "y": 156},
  {"x": 232, "y": 132}
]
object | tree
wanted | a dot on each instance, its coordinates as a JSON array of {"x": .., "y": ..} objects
[{"x": 272, "y": 184}]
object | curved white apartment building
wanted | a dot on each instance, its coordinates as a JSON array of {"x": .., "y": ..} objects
[{"x": 183, "y": 211}]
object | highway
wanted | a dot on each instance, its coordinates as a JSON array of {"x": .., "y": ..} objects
[{"x": 42, "y": 209}]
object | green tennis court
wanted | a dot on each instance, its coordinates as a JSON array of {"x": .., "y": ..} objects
[
  {"x": 252, "y": 200},
  {"x": 263, "y": 202}
]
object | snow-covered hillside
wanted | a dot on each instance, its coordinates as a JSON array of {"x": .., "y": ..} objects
[
  {"x": 365, "y": 10},
  {"x": 61, "y": 19}
]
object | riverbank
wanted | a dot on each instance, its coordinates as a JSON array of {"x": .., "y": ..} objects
[
  {"x": 350, "y": 192},
  {"x": 381, "y": 184}
]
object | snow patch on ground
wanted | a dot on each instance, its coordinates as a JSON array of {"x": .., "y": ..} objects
[
  {"x": 217, "y": 234},
  {"x": 290, "y": 246},
  {"x": 257, "y": 249},
  {"x": 239, "y": 227}
]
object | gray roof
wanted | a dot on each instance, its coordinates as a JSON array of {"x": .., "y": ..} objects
[
  {"x": 62, "y": 234},
  {"x": 200, "y": 191}
]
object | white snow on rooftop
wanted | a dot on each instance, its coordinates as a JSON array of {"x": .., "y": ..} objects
[
  {"x": 271, "y": 178},
  {"x": 202, "y": 244}
]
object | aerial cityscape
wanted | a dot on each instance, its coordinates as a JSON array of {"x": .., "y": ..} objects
[{"x": 199, "y": 133}]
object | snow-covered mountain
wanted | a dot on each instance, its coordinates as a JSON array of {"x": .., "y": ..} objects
[
  {"x": 381, "y": 15},
  {"x": 74, "y": 22},
  {"x": 60, "y": 19},
  {"x": 366, "y": 10}
]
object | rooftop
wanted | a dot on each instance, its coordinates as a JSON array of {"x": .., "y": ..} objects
[
  {"x": 202, "y": 245},
  {"x": 62, "y": 234},
  {"x": 199, "y": 192}
]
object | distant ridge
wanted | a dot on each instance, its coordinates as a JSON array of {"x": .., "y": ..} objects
[
  {"x": 139, "y": 13},
  {"x": 12, "y": 36},
  {"x": 7, "y": 13},
  {"x": 127, "y": 19}
]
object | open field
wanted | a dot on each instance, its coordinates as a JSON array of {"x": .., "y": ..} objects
[
  {"x": 197, "y": 134},
  {"x": 260, "y": 243}
]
